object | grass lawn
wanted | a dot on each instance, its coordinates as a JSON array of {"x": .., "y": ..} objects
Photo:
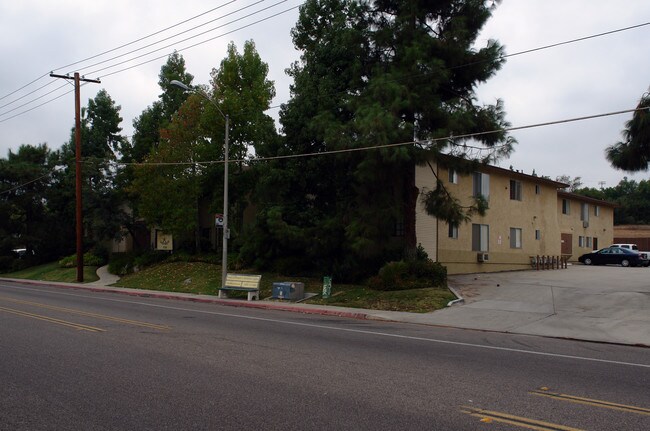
[
  {"x": 414, "y": 300},
  {"x": 205, "y": 278},
  {"x": 53, "y": 272}
]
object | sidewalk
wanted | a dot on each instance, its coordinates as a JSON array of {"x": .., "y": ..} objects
[{"x": 581, "y": 303}]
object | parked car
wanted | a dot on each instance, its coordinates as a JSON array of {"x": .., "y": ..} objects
[
  {"x": 613, "y": 256},
  {"x": 644, "y": 254}
]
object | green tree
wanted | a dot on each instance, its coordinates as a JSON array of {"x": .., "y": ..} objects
[
  {"x": 633, "y": 152},
  {"x": 242, "y": 90},
  {"x": 100, "y": 143},
  {"x": 574, "y": 183},
  {"x": 169, "y": 183},
  {"x": 146, "y": 134},
  {"x": 632, "y": 198},
  {"x": 382, "y": 73},
  {"x": 196, "y": 134},
  {"x": 26, "y": 220}
]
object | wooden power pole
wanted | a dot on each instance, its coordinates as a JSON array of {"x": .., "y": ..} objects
[{"x": 77, "y": 139}]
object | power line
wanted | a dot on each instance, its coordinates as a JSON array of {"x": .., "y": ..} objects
[
  {"x": 152, "y": 34},
  {"x": 192, "y": 37},
  {"x": 116, "y": 48},
  {"x": 176, "y": 35},
  {"x": 347, "y": 150},
  {"x": 28, "y": 182},
  {"x": 33, "y": 100},
  {"x": 272, "y": 16},
  {"x": 157, "y": 58},
  {"x": 199, "y": 43},
  {"x": 399, "y": 144}
]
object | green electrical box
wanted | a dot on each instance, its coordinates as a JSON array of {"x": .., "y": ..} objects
[{"x": 327, "y": 287}]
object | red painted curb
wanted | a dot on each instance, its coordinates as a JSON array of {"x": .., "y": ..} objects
[{"x": 243, "y": 304}]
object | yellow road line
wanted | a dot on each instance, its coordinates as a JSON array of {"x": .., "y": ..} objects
[
  {"x": 518, "y": 421},
  {"x": 52, "y": 320},
  {"x": 593, "y": 402},
  {"x": 88, "y": 314}
]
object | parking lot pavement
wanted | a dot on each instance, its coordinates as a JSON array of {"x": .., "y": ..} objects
[{"x": 595, "y": 303}]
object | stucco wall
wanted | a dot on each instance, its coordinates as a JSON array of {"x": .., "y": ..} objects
[
  {"x": 538, "y": 215},
  {"x": 600, "y": 227}
]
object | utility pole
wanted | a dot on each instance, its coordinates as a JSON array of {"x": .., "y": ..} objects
[{"x": 77, "y": 139}]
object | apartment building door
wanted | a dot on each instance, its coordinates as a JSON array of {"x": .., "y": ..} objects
[{"x": 567, "y": 243}]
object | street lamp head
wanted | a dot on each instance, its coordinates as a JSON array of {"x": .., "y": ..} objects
[{"x": 180, "y": 85}]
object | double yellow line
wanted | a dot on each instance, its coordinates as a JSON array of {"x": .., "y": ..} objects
[
  {"x": 519, "y": 421},
  {"x": 77, "y": 312},
  {"x": 592, "y": 402},
  {"x": 52, "y": 320},
  {"x": 523, "y": 422}
]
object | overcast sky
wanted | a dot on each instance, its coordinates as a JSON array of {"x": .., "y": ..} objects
[{"x": 595, "y": 76}]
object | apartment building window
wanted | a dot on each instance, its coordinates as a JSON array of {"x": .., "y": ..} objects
[
  {"x": 453, "y": 231},
  {"x": 515, "y": 190},
  {"x": 584, "y": 212},
  {"x": 566, "y": 207},
  {"x": 538, "y": 189},
  {"x": 588, "y": 242},
  {"x": 581, "y": 241},
  {"x": 453, "y": 176},
  {"x": 538, "y": 234},
  {"x": 596, "y": 211},
  {"x": 515, "y": 237},
  {"x": 480, "y": 237},
  {"x": 481, "y": 185}
]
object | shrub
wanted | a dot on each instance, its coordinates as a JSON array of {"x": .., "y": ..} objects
[
  {"x": 90, "y": 259},
  {"x": 410, "y": 274},
  {"x": 121, "y": 263}
]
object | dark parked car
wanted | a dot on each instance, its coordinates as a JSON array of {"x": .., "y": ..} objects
[{"x": 613, "y": 256}]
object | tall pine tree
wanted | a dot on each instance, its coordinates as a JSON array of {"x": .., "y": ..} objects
[{"x": 381, "y": 73}]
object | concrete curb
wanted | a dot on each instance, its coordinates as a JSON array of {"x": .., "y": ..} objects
[
  {"x": 201, "y": 299},
  {"x": 459, "y": 299}
]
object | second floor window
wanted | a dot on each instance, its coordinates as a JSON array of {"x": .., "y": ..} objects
[
  {"x": 453, "y": 176},
  {"x": 515, "y": 190},
  {"x": 481, "y": 185},
  {"x": 566, "y": 208},
  {"x": 453, "y": 231},
  {"x": 584, "y": 212}
]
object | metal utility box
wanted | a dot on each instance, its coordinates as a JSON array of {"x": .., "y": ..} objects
[{"x": 288, "y": 290}]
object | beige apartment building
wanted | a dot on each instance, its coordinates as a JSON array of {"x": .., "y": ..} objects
[{"x": 527, "y": 216}]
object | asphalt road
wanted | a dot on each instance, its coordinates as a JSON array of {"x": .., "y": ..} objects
[{"x": 79, "y": 360}]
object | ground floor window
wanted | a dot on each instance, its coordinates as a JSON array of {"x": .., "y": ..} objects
[
  {"x": 480, "y": 237},
  {"x": 515, "y": 237}
]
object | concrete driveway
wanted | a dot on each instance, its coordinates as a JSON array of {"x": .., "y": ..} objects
[{"x": 596, "y": 303}]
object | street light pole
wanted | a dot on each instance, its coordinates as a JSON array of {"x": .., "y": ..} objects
[{"x": 226, "y": 232}]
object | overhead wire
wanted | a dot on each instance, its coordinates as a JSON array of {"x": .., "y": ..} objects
[
  {"x": 192, "y": 37},
  {"x": 148, "y": 36},
  {"x": 380, "y": 146},
  {"x": 116, "y": 48},
  {"x": 249, "y": 25},
  {"x": 196, "y": 44},
  {"x": 176, "y": 35},
  {"x": 138, "y": 40}
]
